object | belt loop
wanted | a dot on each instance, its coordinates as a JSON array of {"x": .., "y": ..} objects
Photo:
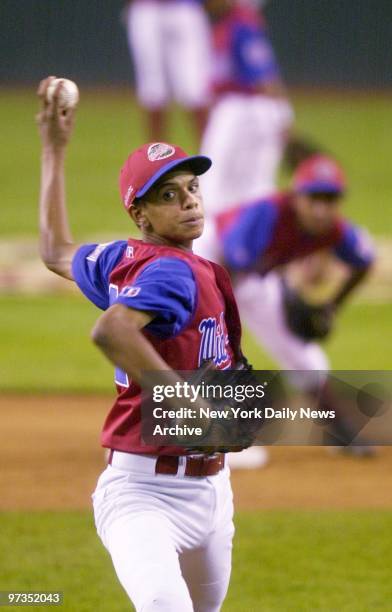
[
  {"x": 110, "y": 456},
  {"x": 182, "y": 459}
]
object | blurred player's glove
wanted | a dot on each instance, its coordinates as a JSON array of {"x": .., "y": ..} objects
[
  {"x": 305, "y": 320},
  {"x": 237, "y": 430}
]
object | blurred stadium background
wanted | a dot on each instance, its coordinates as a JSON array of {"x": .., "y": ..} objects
[{"x": 313, "y": 530}]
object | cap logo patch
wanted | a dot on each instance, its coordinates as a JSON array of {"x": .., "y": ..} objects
[
  {"x": 325, "y": 170},
  {"x": 160, "y": 150}
]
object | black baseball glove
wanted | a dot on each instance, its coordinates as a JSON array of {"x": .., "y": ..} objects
[
  {"x": 305, "y": 320},
  {"x": 239, "y": 426}
]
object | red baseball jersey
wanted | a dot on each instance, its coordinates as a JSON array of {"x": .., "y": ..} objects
[{"x": 196, "y": 318}]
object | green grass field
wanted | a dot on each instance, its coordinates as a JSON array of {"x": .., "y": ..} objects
[
  {"x": 277, "y": 565},
  {"x": 108, "y": 126},
  {"x": 283, "y": 561},
  {"x": 46, "y": 345},
  {"x": 356, "y": 128}
]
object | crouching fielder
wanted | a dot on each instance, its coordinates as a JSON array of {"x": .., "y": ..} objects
[{"x": 257, "y": 241}]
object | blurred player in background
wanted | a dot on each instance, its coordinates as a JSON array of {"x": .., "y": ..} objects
[
  {"x": 257, "y": 241},
  {"x": 169, "y": 41},
  {"x": 251, "y": 115}
]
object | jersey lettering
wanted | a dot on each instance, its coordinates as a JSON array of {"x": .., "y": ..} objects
[
  {"x": 130, "y": 291},
  {"x": 97, "y": 251},
  {"x": 214, "y": 340}
]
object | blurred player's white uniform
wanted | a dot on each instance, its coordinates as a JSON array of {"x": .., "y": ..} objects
[
  {"x": 245, "y": 135},
  {"x": 169, "y": 41},
  {"x": 249, "y": 122}
]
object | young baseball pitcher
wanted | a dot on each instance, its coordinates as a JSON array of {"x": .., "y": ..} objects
[{"x": 164, "y": 515}]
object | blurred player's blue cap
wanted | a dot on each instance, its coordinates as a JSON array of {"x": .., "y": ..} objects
[
  {"x": 145, "y": 166},
  {"x": 319, "y": 174}
]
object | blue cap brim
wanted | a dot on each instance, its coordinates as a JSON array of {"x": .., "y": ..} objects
[
  {"x": 197, "y": 163},
  {"x": 320, "y": 187}
]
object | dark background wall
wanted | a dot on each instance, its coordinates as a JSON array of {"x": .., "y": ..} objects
[{"x": 319, "y": 42}]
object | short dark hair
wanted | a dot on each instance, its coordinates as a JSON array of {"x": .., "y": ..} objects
[{"x": 138, "y": 202}]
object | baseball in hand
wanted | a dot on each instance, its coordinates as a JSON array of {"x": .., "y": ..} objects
[{"x": 68, "y": 96}]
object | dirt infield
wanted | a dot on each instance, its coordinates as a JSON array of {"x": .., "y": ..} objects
[{"x": 50, "y": 458}]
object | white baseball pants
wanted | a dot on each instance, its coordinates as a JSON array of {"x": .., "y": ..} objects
[
  {"x": 170, "y": 537},
  {"x": 170, "y": 46},
  {"x": 260, "y": 301},
  {"x": 245, "y": 138}
]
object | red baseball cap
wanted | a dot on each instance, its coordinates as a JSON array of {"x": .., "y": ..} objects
[
  {"x": 319, "y": 174},
  {"x": 151, "y": 161}
]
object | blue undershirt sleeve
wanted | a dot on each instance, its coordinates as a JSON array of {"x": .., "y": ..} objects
[
  {"x": 355, "y": 248},
  {"x": 249, "y": 237},
  {"x": 167, "y": 288},
  {"x": 254, "y": 57},
  {"x": 91, "y": 266}
]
